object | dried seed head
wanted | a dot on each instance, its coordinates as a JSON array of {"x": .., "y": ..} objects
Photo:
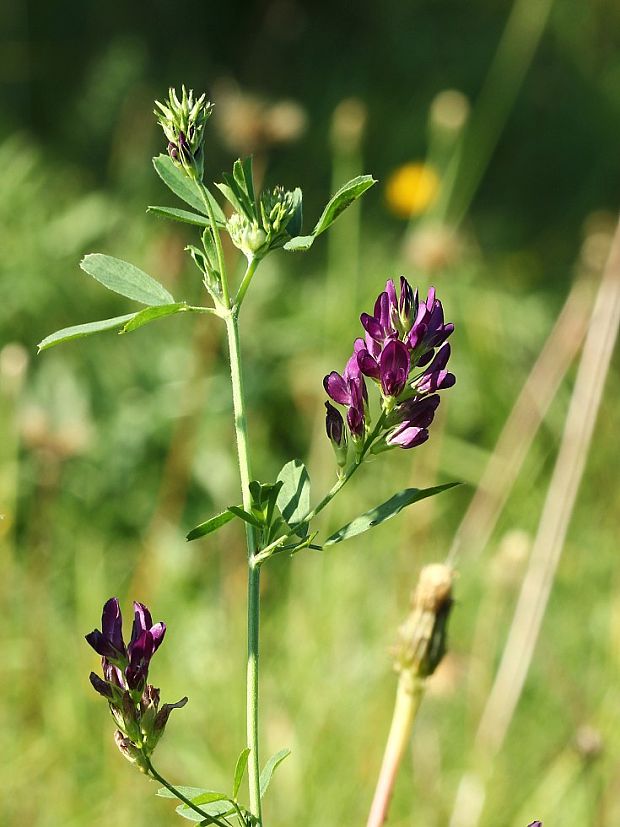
[{"x": 422, "y": 637}]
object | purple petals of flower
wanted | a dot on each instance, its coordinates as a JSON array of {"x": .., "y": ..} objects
[
  {"x": 350, "y": 390},
  {"x": 334, "y": 424},
  {"x": 428, "y": 330},
  {"x": 146, "y": 638},
  {"x": 126, "y": 667},
  {"x": 414, "y": 416},
  {"x": 402, "y": 334},
  {"x": 134, "y": 703},
  {"x": 394, "y": 364},
  {"x": 436, "y": 377},
  {"x": 109, "y": 642}
]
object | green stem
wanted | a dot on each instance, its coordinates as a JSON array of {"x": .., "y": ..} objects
[
  {"x": 178, "y": 794},
  {"x": 245, "y": 283},
  {"x": 241, "y": 432},
  {"x": 252, "y": 690}
]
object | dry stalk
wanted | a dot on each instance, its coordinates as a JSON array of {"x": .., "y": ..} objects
[
  {"x": 421, "y": 645},
  {"x": 547, "y": 549},
  {"x": 523, "y": 423}
]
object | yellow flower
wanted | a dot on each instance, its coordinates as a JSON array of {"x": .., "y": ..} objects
[{"x": 411, "y": 189}]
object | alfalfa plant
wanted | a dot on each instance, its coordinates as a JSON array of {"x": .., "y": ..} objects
[{"x": 385, "y": 399}]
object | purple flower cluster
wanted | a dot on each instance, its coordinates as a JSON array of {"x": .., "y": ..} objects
[
  {"x": 405, "y": 352},
  {"x": 134, "y": 703}
]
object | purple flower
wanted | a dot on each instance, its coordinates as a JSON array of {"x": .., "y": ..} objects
[
  {"x": 394, "y": 367},
  {"x": 401, "y": 321},
  {"x": 428, "y": 330},
  {"x": 379, "y": 326},
  {"x": 109, "y": 642},
  {"x": 404, "y": 351},
  {"x": 123, "y": 666},
  {"x": 413, "y": 417},
  {"x": 146, "y": 638},
  {"x": 350, "y": 390},
  {"x": 356, "y": 415},
  {"x": 436, "y": 377}
]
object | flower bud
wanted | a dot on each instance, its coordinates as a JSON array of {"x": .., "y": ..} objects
[
  {"x": 134, "y": 703},
  {"x": 278, "y": 207},
  {"x": 246, "y": 235},
  {"x": 183, "y": 122},
  {"x": 334, "y": 425}
]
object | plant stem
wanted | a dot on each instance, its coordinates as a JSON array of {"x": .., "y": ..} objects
[
  {"x": 178, "y": 794},
  {"x": 252, "y": 689},
  {"x": 241, "y": 432},
  {"x": 408, "y": 698},
  {"x": 245, "y": 283}
]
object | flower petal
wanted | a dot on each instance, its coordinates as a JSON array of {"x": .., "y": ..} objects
[
  {"x": 337, "y": 388},
  {"x": 112, "y": 624}
]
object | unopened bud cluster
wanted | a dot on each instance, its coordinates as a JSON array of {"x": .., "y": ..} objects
[
  {"x": 133, "y": 702},
  {"x": 183, "y": 122},
  {"x": 256, "y": 231}
]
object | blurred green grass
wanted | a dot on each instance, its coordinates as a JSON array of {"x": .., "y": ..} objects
[{"x": 112, "y": 448}]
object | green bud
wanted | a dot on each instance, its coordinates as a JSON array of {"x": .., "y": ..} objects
[
  {"x": 247, "y": 236},
  {"x": 277, "y": 208}
]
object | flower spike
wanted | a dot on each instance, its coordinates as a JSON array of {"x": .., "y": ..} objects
[
  {"x": 402, "y": 336},
  {"x": 134, "y": 703}
]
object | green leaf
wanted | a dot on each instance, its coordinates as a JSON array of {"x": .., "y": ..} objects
[
  {"x": 210, "y": 249},
  {"x": 184, "y": 216},
  {"x": 209, "y": 798},
  {"x": 80, "y": 330},
  {"x": 345, "y": 196},
  {"x": 294, "y": 496},
  {"x": 212, "y": 811},
  {"x": 240, "y": 766},
  {"x": 270, "y": 766},
  {"x": 231, "y": 196},
  {"x": 211, "y": 525},
  {"x": 213, "y": 803},
  {"x": 248, "y": 518},
  {"x": 249, "y": 178},
  {"x": 186, "y": 189},
  {"x": 126, "y": 279},
  {"x": 385, "y": 511},
  {"x": 273, "y": 492},
  {"x": 188, "y": 792},
  {"x": 299, "y": 244},
  {"x": 152, "y": 313}
]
